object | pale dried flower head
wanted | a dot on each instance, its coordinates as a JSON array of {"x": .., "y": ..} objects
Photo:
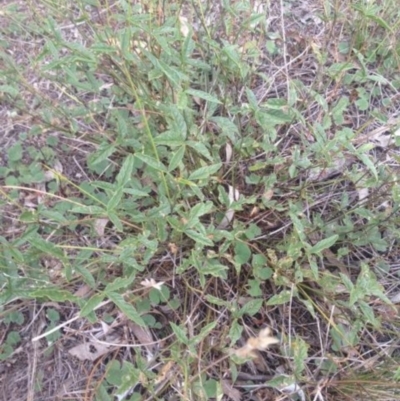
[
  {"x": 151, "y": 283},
  {"x": 259, "y": 343}
]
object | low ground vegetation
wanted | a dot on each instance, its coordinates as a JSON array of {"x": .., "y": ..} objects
[{"x": 199, "y": 200}]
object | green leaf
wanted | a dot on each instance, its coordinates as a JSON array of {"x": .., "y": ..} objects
[
  {"x": 91, "y": 304},
  {"x": 126, "y": 308},
  {"x": 380, "y": 22},
  {"x": 122, "y": 127},
  {"x": 235, "y": 332},
  {"x": 233, "y": 54},
  {"x": 53, "y": 215},
  {"x": 5, "y": 351},
  {"x": 114, "y": 373},
  {"x": 87, "y": 209},
  {"x": 297, "y": 223},
  {"x": 115, "y": 199},
  {"x": 216, "y": 301},
  {"x": 204, "y": 172},
  {"x": 178, "y": 123},
  {"x": 227, "y": 126},
  {"x": 129, "y": 378},
  {"x": 159, "y": 296},
  {"x": 14, "y": 317},
  {"x": 15, "y": 152},
  {"x": 338, "y": 110},
  {"x": 200, "y": 148},
  {"x": 203, "y": 95},
  {"x": 46, "y": 247},
  {"x": 367, "y": 284},
  {"x": 105, "y": 150},
  {"x": 174, "y": 76},
  {"x": 300, "y": 354},
  {"x": 275, "y": 103},
  {"x": 252, "y": 231},
  {"x": 165, "y": 293},
  {"x": 182, "y": 101},
  {"x": 310, "y": 306},
  {"x": 53, "y": 315},
  {"x": 120, "y": 283},
  {"x": 368, "y": 163},
  {"x": 214, "y": 268},
  {"x": 155, "y": 296},
  {"x": 87, "y": 276},
  {"x": 137, "y": 193},
  {"x": 259, "y": 261},
  {"x": 346, "y": 281},
  {"x": 187, "y": 48},
  {"x": 281, "y": 298},
  {"x": 362, "y": 104},
  {"x": 116, "y": 221},
  {"x": 176, "y": 158},
  {"x": 254, "y": 289},
  {"x": 125, "y": 173},
  {"x": 324, "y": 244},
  {"x": 263, "y": 273},
  {"x": 28, "y": 217},
  {"x": 281, "y": 381},
  {"x": 11, "y": 90},
  {"x": 200, "y": 209},
  {"x": 125, "y": 37},
  {"x": 13, "y": 338},
  {"x": 179, "y": 333},
  {"x": 205, "y": 331},
  {"x": 252, "y": 307},
  {"x": 175, "y": 223},
  {"x": 199, "y": 238},
  {"x": 271, "y": 118},
  {"x": 251, "y": 97},
  {"x": 54, "y": 294},
  {"x": 150, "y": 161},
  {"x": 369, "y": 314},
  {"x": 171, "y": 138},
  {"x": 242, "y": 252},
  {"x": 102, "y": 394}
]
